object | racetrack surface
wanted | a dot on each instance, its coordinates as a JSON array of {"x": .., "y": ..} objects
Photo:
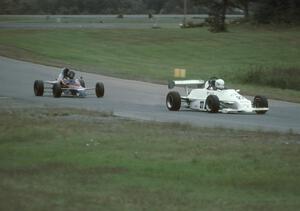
[{"x": 134, "y": 99}]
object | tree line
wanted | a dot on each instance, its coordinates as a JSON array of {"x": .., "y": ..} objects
[
  {"x": 94, "y": 7},
  {"x": 262, "y": 11}
]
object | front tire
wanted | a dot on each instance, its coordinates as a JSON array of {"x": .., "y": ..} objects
[
  {"x": 99, "y": 89},
  {"x": 173, "y": 101},
  {"x": 212, "y": 104},
  {"x": 38, "y": 88},
  {"x": 260, "y": 102},
  {"x": 56, "y": 90}
]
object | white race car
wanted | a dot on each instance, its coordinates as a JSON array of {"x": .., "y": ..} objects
[
  {"x": 212, "y": 96},
  {"x": 67, "y": 87}
]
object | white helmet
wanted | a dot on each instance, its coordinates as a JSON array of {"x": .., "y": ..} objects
[{"x": 220, "y": 84}]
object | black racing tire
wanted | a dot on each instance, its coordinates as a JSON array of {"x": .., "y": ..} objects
[
  {"x": 38, "y": 88},
  {"x": 56, "y": 90},
  {"x": 173, "y": 101},
  {"x": 260, "y": 102},
  {"x": 212, "y": 104},
  {"x": 82, "y": 83},
  {"x": 99, "y": 89}
]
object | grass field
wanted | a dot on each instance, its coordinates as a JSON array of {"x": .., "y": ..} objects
[
  {"x": 78, "y": 160},
  {"x": 83, "y": 160},
  {"x": 152, "y": 55}
]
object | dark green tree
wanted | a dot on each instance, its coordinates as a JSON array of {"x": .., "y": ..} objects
[
  {"x": 243, "y": 5},
  {"x": 155, "y": 5},
  {"x": 217, "y": 13},
  {"x": 277, "y": 11}
]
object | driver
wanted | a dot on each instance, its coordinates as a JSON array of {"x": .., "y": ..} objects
[
  {"x": 63, "y": 75},
  {"x": 66, "y": 77},
  {"x": 220, "y": 84},
  {"x": 71, "y": 75},
  {"x": 215, "y": 84}
]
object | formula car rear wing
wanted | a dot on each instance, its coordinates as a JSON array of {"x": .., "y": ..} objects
[
  {"x": 51, "y": 82},
  {"x": 187, "y": 84}
]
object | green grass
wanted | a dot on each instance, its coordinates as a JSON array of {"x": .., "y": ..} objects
[
  {"x": 287, "y": 78},
  {"x": 152, "y": 55},
  {"x": 54, "y": 160}
]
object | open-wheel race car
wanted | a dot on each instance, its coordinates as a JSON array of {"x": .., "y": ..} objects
[
  {"x": 213, "y": 97},
  {"x": 66, "y": 85}
]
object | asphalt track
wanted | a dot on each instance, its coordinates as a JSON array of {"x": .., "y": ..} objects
[{"x": 134, "y": 99}]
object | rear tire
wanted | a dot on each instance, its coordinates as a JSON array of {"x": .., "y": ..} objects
[
  {"x": 56, "y": 90},
  {"x": 260, "y": 102},
  {"x": 173, "y": 101},
  {"x": 38, "y": 88},
  {"x": 212, "y": 104},
  {"x": 99, "y": 89}
]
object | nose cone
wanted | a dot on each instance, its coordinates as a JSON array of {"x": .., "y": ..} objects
[
  {"x": 245, "y": 105},
  {"x": 82, "y": 93}
]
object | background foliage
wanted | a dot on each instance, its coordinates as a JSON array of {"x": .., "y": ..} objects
[{"x": 263, "y": 11}]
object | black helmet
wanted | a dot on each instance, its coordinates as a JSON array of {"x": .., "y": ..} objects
[
  {"x": 71, "y": 74},
  {"x": 65, "y": 72}
]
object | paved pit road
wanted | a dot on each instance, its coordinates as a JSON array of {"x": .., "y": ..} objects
[{"x": 134, "y": 99}]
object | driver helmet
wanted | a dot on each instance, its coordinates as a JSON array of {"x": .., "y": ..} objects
[
  {"x": 71, "y": 74},
  {"x": 220, "y": 84},
  {"x": 65, "y": 72}
]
